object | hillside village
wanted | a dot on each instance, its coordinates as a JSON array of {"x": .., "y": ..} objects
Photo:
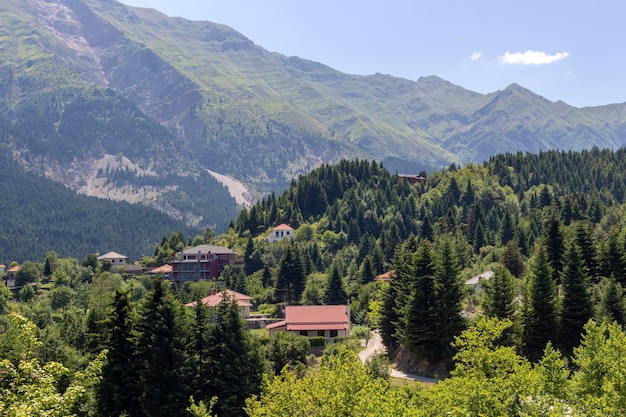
[
  {"x": 470, "y": 264},
  {"x": 194, "y": 226}
]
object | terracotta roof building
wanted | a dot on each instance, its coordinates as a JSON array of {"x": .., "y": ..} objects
[
  {"x": 281, "y": 232},
  {"x": 327, "y": 321},
  {"x": 165, "y": 270},
  {"x": 243, "y": 301},
  {"x": 11, "y": 278},
  {"x": 387, "y": 276}
]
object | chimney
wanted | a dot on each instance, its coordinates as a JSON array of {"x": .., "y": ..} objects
[{"x": 213, "y": 291}]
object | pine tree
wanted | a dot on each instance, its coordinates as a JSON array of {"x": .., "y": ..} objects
[
  {"x": 449, "y": 296},
  {"x": 237, "y": 371},
  {"x": 335, "y": 293},
  {"x": 479, "y": 237},
  {"x": 366, "y": 271},
  {"x": 499, "y": 300},
  {"x": 389, "y": 316},
  {"x": 540, "y": 319},
  {"x": 47, "y": 270},
  {"x": 576, "y": 309},
  {"x": 512, "y": 259},
  {"x": 163, "y": 354},
  {"x": 613, "y": 264},
  {"x": 555, "y": 247},
  {"x": 587, "y": 248},
  {"x": 291, "y": 278},
  {"x": 420, "y": 321},
  {"x": 507, "y": 232},
  {"x": 119, "y": 391},
  {"x": 612, "y": 303}
]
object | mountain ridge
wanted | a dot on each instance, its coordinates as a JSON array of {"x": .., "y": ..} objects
[{"x": 208, "y": 98}]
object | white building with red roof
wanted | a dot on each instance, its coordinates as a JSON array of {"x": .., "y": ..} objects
[
  {"x": 329, "y": 321},
  {"x": 244, "y": 302},
  {"x": 11, "y": 279},
  {"x": 281, "y": 232}
]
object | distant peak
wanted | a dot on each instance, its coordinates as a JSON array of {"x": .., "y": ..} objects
[{"x": 432, "y": 79}]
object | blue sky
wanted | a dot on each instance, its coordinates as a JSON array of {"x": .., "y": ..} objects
[{"x": 563, "y": 50}]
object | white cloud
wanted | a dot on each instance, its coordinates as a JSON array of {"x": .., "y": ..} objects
[
  {"x": 532, "y": 57},
  {"x": 476, "y": 56}
]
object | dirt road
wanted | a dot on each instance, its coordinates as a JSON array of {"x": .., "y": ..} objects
[{"x": 375, "y": 345}]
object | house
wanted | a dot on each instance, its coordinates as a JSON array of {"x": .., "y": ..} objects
[
  {"x": 387, "y": 276},
  {"x": 411, "y": 178},
  {"x": 280, "y": 232},
  {"x": 12, "y": 277},
  {"x": 202, "y": 262},
  {"x": 165, "y": 271},
  {"x": 475, "y": 282},
  {"x": 244, "y": 302},
  {"x": 329, "y": 321},
  {"x": 115, "y": 258},
  {"x": 3, "y": 268}
]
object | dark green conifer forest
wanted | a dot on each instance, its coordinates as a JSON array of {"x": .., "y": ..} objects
[{"x": 541, "y": 334}]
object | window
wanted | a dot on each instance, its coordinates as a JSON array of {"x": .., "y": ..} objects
[
  {"x": 333, "y": 333},
  {"x": 303, "y": 333},
  {"x": 320, "y": 333}
]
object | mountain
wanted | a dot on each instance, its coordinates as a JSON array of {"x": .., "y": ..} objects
[
  {"x": 96, "y": 87},
  {"x": 38, "y": 215}
]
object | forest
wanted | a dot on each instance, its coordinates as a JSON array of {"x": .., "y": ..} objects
[
  {"x": 39, "y": 215},
  {"x": 543, "y": 336}
]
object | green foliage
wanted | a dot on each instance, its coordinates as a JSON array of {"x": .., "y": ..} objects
[
  {"x": 286, "y": 348},
  {"x": 30, "y": 388},
  {"x": 335, "y": 293},
  {"x": 39, "y": 214},
  {"x": 162, "y": 354},
  {"x": 499, "y": 299},
  {"x": 540, "y": 314},
  {"x": 239, "y": 367},
  {"x": 342, "y": 386}
]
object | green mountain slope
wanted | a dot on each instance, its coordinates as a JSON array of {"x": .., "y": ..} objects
[
  {"x": 38, "y": 215},
  {"x": 188, "y": 96}
]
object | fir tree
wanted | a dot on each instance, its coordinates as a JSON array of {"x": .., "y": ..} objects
[
  {"x": 612, "y": 303},
  {"x": 512, "y": 259},
  {"x": 576, "y": 309},
  {"x": 389, "y": 316},
  {"x": 449, "y": 296},
  {"x": 291, "y": 278},
  {"x": 613, "y": 264},
  {"x": 499, "y": 300},
  {"x": 507, "y": 232},
  {"x": 555, "y": 247},
  {"x": 420, "y": 321},
  {"x": 162, "y": 355},
  {"x": 540, "y": 318},
  {"x": 587, "y": 248},
  {"x": 119, "y": 391},
  {"x": 335, "y": 293},
  {"x": 237, "y": 371}
]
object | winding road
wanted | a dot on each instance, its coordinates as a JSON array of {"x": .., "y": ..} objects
[{"x": 375, "y": 346}]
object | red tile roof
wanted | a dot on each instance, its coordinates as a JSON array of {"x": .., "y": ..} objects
[
  {"x": 16, "y": 268},
  {"x": 283, "y": 227},
  {"x": 333, "y": 317},
  {"x": 165, "y": 269},
  {"x": 214, "y": 300},
  {"x": 387, "y": 276}
]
